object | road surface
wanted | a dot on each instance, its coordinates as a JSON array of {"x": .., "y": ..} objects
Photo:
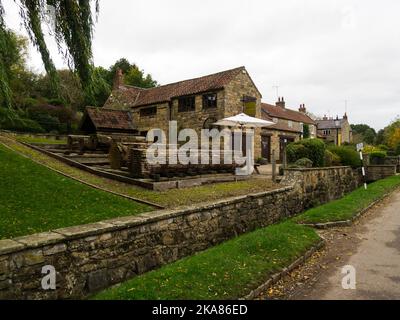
[{"x": 372, "y": 247}]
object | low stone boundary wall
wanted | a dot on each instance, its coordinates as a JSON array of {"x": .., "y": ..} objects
[
  {"x": 377, "y": 172},
  {"x": 92, "y": 257}
]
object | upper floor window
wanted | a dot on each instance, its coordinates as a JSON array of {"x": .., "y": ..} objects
[
  {"x": 275, "y": 120},
  {"x": 186, "y": 104},
  {"x": 148, "y": 112},
  {"x": 209, "y": 101},
  {"x": 302, "y": 126},
  {"x": 290, "y": 124}
]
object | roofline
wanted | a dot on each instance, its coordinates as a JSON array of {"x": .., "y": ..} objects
[
  {"x": 196, "y": 78},
  {"x": 314, "y": 122},
  {"x": 176, "y": 97}
]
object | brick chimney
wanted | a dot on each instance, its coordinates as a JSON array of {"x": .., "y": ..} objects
[
  {"x": 345, "y": 116},
  {"x": 302, "y": 108},
  {"x": 325, "y": 117},
  {"x": 118, "y": 79},
  {"x": 281, "y": 103}
]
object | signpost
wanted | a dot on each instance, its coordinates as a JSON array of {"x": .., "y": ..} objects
[{"x": 360, "y": 148}]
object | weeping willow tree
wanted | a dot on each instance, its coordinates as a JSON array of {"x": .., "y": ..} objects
[
  {"x": 4, "y": 51},
  {"x": 73, "y": 32}
]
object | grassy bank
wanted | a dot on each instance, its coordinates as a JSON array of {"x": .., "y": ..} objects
[
  {"x": 36, "y": 140},
  {"x": 169, "y": 199},
  {"x": 228, "y": 271},
  {"x": 350, "y": 205},
  {"x": 34, "y": 199}
]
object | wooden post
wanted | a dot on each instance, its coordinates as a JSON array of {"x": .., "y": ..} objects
[{"x": 273, "y": 161}]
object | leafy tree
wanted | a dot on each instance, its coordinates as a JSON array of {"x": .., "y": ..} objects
[
  {"x": 394, "y": 138},
  {"x": 306, "y": 131},
  {"x": 369, "y": 136},
  {"x": 363, "y": 133},
  {"x": 70, "y": 90},
  {"x": 380, "y": 137},
  {"x": 73, "y": 32},
  {"x": 133, "y": 76},
  {"x": 20, "y": 81}
]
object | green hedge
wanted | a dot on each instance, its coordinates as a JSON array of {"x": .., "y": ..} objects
[
  {"x": 313, "y": 149},
  {"x": 377, "y": 157},
  {"x": 331, "y": 159},
  {"x": 348, "y": 156}
]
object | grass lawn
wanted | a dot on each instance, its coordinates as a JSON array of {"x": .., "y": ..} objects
[
  {"x": 40, "y": 140},
  {"x": 347, "y": 207},
  {"x": 228, "y": 271},
  {"x": 169, "y": 199},
  {"x": 34, "y": 199}
]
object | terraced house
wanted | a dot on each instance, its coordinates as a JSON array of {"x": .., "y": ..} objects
[{"x": 289, "y": 127}]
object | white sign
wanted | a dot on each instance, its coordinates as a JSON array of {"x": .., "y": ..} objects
[{"x": 360, "y": 146}]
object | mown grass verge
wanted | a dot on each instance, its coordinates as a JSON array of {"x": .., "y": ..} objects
[
  {"x": 227, "y": 271},
  {"x": 35, "y": 199},
  {"x": 349, "y": 206}
]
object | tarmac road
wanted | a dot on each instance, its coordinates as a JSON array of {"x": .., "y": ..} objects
[{"x": 372, "y": 247}]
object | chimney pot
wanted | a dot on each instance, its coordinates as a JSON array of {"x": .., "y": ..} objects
[{"x": 281, "y": 103}]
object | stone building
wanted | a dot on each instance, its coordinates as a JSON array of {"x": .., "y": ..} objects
[
  {"x": 289, "y": 127},
  {"x": 196, "y": 103},
  {"x": 337, "y": 131}
]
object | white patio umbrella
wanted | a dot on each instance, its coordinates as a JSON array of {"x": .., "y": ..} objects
[{"x": 244, "y": 121}]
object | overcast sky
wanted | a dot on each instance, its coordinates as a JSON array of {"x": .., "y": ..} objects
[{"x": 320, "y": 53}]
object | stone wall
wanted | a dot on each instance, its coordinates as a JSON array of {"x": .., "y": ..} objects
[
  {"x": 321, "y": 185},
  {"x": 160, "y": 120},
  {"x": 92, "y": 257},
  {"x": 377, "y": 172}
]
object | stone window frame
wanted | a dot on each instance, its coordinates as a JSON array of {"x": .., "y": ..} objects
[
  {"x": 206, "y": 101},
  {"x": 327, "y": 132},
  {"x": 148, "y": 112},
  {"x": 290, "y": 123}
]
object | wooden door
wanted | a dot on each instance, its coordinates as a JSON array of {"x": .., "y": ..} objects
[{"x": 266, "y": 147}]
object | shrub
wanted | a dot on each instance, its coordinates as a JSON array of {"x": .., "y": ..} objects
[
  {"x": 313, "y": 149},
  {"x": 397, "y": 150},
  {"x": 304, "y": 163},
  {"x": 48, "y": 122},
  {"x": 295, "y": 152},
  {"x": 13, "y": 121},
  {"x": 377, "y": 157},
  {"x": 331, "y": 159},
  {"x": 348, "y": 156},
  {"x": 383, "y": 147}
]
